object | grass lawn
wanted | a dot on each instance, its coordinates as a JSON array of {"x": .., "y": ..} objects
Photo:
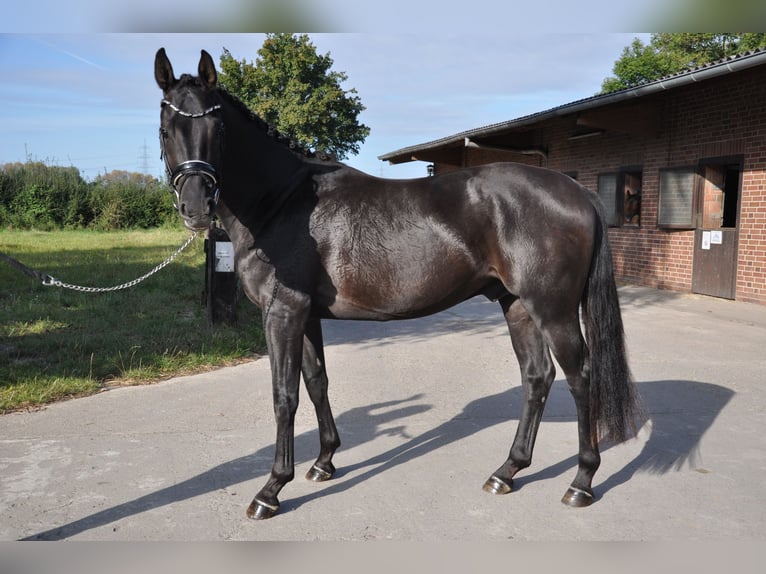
[{"x": 57, "y": 343}]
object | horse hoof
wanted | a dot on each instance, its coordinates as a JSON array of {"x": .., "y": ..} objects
[
  {"x": 261, "y": 511},
  {"x": 577, "y": 498},
  {"x": 316, "y": 474},
  {"x": 496, "y": 486}
]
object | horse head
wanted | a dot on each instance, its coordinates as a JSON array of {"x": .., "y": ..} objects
[{"x": 191, "y": 138}]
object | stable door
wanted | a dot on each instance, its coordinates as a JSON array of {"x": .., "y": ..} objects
[{"x": 716, "y": 236}]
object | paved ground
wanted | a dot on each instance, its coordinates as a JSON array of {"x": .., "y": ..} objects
[{"x": 426, "y": 410}]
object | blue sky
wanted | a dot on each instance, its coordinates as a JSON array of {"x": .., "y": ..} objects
[{"x": 90, "y": 100}]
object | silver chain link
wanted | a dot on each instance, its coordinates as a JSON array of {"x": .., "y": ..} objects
[{"x": 52, "y": 282}]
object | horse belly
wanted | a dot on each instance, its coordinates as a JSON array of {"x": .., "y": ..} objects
[{"x": 402, "y": 284}]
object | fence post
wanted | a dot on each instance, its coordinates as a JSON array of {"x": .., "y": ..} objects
[{"x": 220, "y": 279}]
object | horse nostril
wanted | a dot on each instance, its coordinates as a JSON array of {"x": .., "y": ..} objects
[{"x": 182, "y": 209}]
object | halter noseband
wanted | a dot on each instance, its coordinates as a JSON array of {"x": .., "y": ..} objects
[{"x": 193, "y": 166}]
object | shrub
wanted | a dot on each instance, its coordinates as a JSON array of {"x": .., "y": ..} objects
[
  {"x": 36, "y": 195},
  {"x": 122, "y": 200}
]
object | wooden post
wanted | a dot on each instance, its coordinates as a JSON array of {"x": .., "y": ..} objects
[{"x": 220, "y": 278}]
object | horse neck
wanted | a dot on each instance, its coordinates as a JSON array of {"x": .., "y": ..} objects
[
  {"x": 258, "y": 171},
  {"x": 252, "y": 154}
]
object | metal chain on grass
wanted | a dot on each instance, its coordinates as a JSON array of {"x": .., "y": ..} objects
[{"x": 52, "y": 282}]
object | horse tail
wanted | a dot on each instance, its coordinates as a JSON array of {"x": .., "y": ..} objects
[{"x": 616, "y": 412}]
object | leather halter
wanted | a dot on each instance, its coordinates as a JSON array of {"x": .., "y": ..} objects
[{"x": 189, "y": 167}]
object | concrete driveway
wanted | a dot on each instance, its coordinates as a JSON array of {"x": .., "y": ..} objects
[{"x": 426, "y": 410}]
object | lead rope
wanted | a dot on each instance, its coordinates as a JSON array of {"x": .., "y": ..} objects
[{"x": 49, "y": 281}]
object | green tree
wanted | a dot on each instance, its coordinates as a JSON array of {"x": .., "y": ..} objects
[
  {"x": 669, "y": 53},
  {"x": 293, "y": 88}
]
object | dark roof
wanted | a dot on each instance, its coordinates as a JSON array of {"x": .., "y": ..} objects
[{"x": 728, "y": 65}]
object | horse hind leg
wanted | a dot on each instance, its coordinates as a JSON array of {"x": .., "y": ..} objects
[
  {"x": 315, "y": 379},
  {"x": 537, "y": 375},
  {"x": 569, "y": 348}
]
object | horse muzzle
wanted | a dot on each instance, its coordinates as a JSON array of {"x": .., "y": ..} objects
[
  {"x": 197, "y": 219},
  {"x": 195, "y": 184}
]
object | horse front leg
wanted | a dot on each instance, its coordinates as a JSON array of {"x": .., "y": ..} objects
[
  {"x": 284, "y": 339},
  {"x": 315, "y": 379}
]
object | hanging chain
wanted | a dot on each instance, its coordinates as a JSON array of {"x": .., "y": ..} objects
[{"x": 52, "y": 282}]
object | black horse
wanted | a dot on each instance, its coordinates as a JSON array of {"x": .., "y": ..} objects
[{"x": 315, "y": 239}]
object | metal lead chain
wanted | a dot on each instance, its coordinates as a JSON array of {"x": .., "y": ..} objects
[{"x": 52, "y": 282}]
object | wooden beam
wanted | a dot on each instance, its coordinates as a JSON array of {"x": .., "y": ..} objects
[{"x": 632, "y": 119}]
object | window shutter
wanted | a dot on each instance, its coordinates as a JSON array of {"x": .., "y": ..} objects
[
  {"x": 607, "y": 191},
  {"x": 676, "y": 208}
]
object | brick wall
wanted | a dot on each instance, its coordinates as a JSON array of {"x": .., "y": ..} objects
[{"x": 716, "y": 118}]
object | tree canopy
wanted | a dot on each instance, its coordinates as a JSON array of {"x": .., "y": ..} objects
[
  {"x": 293, "y": 88},
  {"x": 669, "y": 53}
]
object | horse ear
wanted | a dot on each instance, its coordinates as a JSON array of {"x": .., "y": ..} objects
[
  {"x": 206, "y": 70},
  {"x": 163, "y": 71}
]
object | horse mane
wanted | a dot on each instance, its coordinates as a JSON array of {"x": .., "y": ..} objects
[{"x": 271, "y": 130}]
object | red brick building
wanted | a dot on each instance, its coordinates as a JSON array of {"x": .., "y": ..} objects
[{"x": 680, "y": 164}]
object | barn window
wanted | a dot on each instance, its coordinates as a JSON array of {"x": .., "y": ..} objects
[
  {"x": 676, "y": 209},
  {"x": 621, "y": 194}
]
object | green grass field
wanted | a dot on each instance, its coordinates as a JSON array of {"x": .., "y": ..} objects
[{"x": 57, "y": 343}]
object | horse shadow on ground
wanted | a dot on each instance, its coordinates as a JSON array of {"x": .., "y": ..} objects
[{"x": 680, "y": 413}]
